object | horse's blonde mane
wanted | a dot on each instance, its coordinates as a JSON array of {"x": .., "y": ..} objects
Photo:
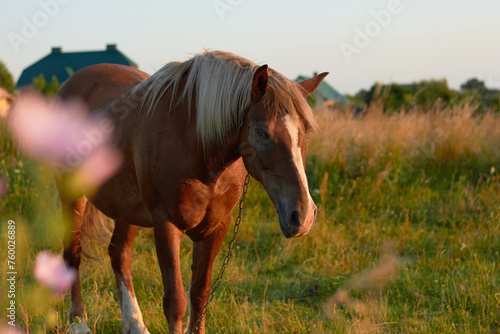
[{"x": 221, "y": 83}]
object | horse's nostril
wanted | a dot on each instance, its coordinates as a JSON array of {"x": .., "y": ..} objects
[
  {"x": 294, "y": 219},
  {"x": 315, "y": 213}
]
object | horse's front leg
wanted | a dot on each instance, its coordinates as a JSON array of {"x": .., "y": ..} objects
[
  {"x": 167, "y": 241},
  {"x": 204, "y": 253},
  {"x": 120, "y": 252}
]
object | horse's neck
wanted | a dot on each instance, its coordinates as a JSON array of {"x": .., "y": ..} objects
[
  {"x": 178, "y": 127},
  {"x": 220, "y": 159}
]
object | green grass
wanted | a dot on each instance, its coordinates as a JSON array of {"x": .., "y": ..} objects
[{"x": 407, "y": 239}]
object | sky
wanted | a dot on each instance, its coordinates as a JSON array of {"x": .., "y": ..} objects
[{"x": 358, "y": 42}]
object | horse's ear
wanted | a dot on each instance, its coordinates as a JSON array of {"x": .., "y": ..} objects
[
  {"x": 310, "y": 85},
  {"x": 260, "y": 82}
]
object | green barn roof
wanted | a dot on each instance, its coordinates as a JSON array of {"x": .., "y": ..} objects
[
  {"x": 63, "y": 65},
  {"x": 325, "y": 92}
]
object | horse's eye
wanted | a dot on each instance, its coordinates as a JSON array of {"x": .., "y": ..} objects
[{"x": 262, "y": 134}]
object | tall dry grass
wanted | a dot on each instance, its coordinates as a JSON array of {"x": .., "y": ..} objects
[{"x": 442, "y": 136}]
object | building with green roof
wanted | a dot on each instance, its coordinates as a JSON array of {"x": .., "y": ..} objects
[
  {"x": 324, "y": 92},
  {"x": 64, "y": 64}
]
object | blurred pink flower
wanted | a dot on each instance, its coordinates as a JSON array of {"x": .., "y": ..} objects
[
  {"x": 51, "y": 272},
  {"x": 63, "y": 134},
  {"x": 43, "y": 129},
  {"x": 100, "y": 166},
  {"x": 8, "y": 329}
]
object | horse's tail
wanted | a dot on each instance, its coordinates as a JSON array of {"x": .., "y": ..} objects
[{"x": 95, "y": 232}]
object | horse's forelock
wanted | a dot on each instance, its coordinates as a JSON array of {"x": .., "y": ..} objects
[{"x": 286, "y": 96}]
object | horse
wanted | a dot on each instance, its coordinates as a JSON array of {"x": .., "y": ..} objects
[{"x": 189, "y": 134}]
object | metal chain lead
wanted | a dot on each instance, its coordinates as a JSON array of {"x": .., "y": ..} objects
[{"x": 232, "y": 243}]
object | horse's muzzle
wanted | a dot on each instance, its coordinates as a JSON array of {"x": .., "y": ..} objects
[{"x": 295, "y": 224}]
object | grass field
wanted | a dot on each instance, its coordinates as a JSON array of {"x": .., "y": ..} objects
[{"x": 407, "y": 238}]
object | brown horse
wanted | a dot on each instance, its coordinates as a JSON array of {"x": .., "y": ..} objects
[{"x": 189, "y": 134}]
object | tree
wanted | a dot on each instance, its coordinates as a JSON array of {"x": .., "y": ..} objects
[
  {"x": 397, "y": 96},
  {"x": 359, "y": 99},
  {"x": 428, "y": 92},
  {"x": 423, "y": 94},
  {"x": 392, "y": 96},
  {"x": 6, "y": 80},
  {"x": 474, "y": 85},
  {"x": 45, "y": 87},
  {"x": 476, "y": 91}
]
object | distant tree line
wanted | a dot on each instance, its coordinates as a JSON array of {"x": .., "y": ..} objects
[
  {"x": 391, "y": 97},
  {"x": 45, "y": 87},
  {"x": 426, "y": 94}
]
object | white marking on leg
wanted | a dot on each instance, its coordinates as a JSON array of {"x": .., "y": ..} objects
[
  {"x": 79, "y": 328},
  {"x": 131, "y": 313}
]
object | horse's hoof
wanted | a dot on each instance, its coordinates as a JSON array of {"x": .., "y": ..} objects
[
  {"x": 135, "y": 328},
  {"x": 79, "y": 328}
]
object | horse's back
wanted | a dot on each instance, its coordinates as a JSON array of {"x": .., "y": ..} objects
[{"x": 99, "y": 84}]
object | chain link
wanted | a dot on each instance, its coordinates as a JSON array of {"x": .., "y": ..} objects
[{"x": 232, "y": 243}]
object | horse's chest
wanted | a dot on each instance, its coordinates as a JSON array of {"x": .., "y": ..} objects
[
  {"x": 194, "y": 198},
  {"x": 204, "y": 207}
]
